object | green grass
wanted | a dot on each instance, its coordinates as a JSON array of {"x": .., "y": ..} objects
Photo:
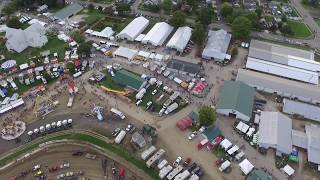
[
  {"x": 54, "y": 45},
  {"x": 149, "y": 97},
  {"x": 300, "y": 29},
  {"x": 117, "y": 24},
  {"x": 93, "y": 16},
  {"x": 109, "y": 83},
  {"x": 87, "y": 139}
]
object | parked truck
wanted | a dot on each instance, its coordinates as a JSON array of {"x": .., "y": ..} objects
[
  {"x": 171, "y": 108},
  {"x": 148, "y": 152},
  {"x": 174, "y": 172},
  {"x": 120, "y": 137},
  {"x": 183, "y": 175},
  {"x": 141, "y": 93},
  {"x": 117, "y": 112},
  {"x": 164, "y": 171},
  {"x": 224, "y": 165},
  {"x": 155, "y": 157}
]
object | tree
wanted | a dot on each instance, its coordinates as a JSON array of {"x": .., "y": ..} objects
[
  {"x": 253, "y": 17},
  {"x": 226, "y": 10},
  {"x": 166, "y": 5},
  {"x": 286, "y": 29},
  {"x": 153, "y": 7},
  {"x": 241, "y": 27},
  {"x": 90, "y": 7},
  {"x": 199, "y": 34},
  {"x": 14, "y": 23},
  {"x": 78, "y": 37},
  {"x": 178, "y": 19},
  {"x": 123, "y": 8},
  {"x": 84, "y": 48},
  {"x": 305, "y": 2},
  {"x": 234, "y": 51},
  {"x": 205, "y": 15},
  {"x": 259, "y": 12},
  {"x": 207, "y": 116},
  {"x": 284, "y": 18},
  {"x": 8, "y": 10}
]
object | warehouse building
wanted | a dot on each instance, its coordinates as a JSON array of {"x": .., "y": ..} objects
[
  {"x": 217, "y": 46},
  {"x": 158, "y": 34},
  {"x": 68, "y": 11},
  {"x": 180, "y": 38},
  {"x": 183, "y": 67},
  {"x": 305, "y": 110},
  {"x": 275, "y": 132},
  {"x": 236, "y": 99},
  {"x": 280, "y": 86},
  {"x": 283, "y": 55},
  {"x": 283, "y": 70},
  {"x": 134, "y": 29}
]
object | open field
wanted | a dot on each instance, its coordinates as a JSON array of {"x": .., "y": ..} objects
[
  {"x": 300, "y": 29},
  {"x": 92, "y": 16}
]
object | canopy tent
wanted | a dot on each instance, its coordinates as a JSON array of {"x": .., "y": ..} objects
[
  {"x": 125, "y": 52},
  {"x": 158, "y": 34},
  {"x": 226, "y": 144},
  {"x": 134, "y": 29},
  {"x": 23, "y": 66},
  {"x": 251, "y": 131},
  {"x": 158, "y": 57},
  {"x": 140, "y": 37},
  {"x": 233, "y": 150},
  {"x": 144, "y": 54},
  {"x": 246, "y": 166},
  {"x": 242, "y": 127},
  {"x": 8, "y": 64},
  {"x": 288, "y": 170},
  {"x": 184, "y": 123},
  {"x": 180, "y": 38}
]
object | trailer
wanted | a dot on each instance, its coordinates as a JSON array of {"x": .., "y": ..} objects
[
  {"x": 148, "y": 152},
  {"x": 120, "y": 137},
  {"x": 70, "y": 101},
  {"x": 174, "y": 95},
  {"x": 174, "y": 172},
  {"x": 164, "y": 171},
  {"x": 194, "y": 177},
  {"x": 117, "y": 112},
  {"x": 162, "y": 164},
  {"x": 183, "y": 175},
  {"x": 155, "y": 158},
  {"x": 171, "y": 108},
  {"x": 77, "y": 74},
  {"x": 141, "y": 93},
  {"x": 224, "y": 165}
]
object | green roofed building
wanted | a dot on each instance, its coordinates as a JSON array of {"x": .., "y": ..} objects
[
  {"x": 258, "y": 174},
  {"x": 128, "y": 79},
  {"x": 68, "y": 11},
  {"x": 236, "y": 99}
]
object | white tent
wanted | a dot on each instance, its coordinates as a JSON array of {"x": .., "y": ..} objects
[
  {"x": 158, "y": 57},
  {"x": 242, "y": 127},
  {"x": 23, "y": 66},
  {"x": 180, "y": 38},
  {"x": 144, "y": 54},
  {"x": 226, "y": 144},
  {"x": 288, "y": 170},
  {"x": 32, "y": 21},
  {"x": 125, "y": 52},
  {"x": 233, "y": 149},
  {"x": 250, "y": 132},
  {"x": 246, "y": 166},
  {"x": 140, "y": 37},
  {"x": 158, "y": 34},
  {"x": 134, "y": 29},
  {"x": 107, "y": 32}
]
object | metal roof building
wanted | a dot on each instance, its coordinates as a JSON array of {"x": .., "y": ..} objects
[
  {"x": 183, "y": 67},
  {"x": 236, "y": 98},
  {"x": 275, "y": 132},
  {"x": 280, "y": 86},
  {"x": 158, "y": 34},
  {"x": 18, "y": 40},
  {"x": 180, "y": 38},
  {"x": 134, "y": 29},
  {"x": 283, "y": 70},
  {"x": 68, "y": 11},
  {"x": 302, "y": 109},
  {"x": 217, "y": 45},
  {"x": 283, "y": 55}
]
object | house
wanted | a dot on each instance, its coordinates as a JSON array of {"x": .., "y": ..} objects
[
  {"x": 211, "y": 133},
  {"x": 138, "y": 139},
  {"x": 17, "y": 40},
  {"x": 68, "y": 11},
  {"x": 158, "y": 34},
  {"x": 236, "y": 99},
  {"x": 180, "y": 38},
  {"x": 275, "y": 131},
  {"x": 134, "y": 29},
  {"x": 217, "y": 46},
  {"x": 280, "y": 86}
]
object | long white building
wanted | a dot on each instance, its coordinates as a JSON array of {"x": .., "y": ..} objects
[
  {"x": 302, "y": 109},
  {"x": 283, "y": 70},
  {"x": 158, "y": 34},
  {"x": 134, "y": 29},
  {"x": 180, "y": 38}
]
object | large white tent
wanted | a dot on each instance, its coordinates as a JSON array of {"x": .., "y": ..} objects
[
  {"x": 288, "y": 170},
  {"x": 107, "y": 32},
  {"x": 180, "y": 38},
  {"x": 246, "y": 166},
  {"x": 158, "y": 34},
  {"x": 125, "y": 52},
  {"x": 226, "y": 144},
  {"x": 242, "y": 127},
  {"x": 134, "y": 29}
]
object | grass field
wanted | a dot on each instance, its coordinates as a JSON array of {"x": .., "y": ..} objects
[
  {"x": 93, "y": 16},
  {"x": 54, "y": 45},
  {"x": 117, "y": 24},
  {"x": 300, "y": 29},
  {"x": 317, "y": 21}
]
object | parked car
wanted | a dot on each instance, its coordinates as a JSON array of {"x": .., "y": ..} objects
[
  {"x": 177, "y": 162},
  {"x": 192, "y": 166},
  {"x": 77, "y": 153},
  {"x": 154, "y": 92},
  {"x": 219, "y": 161},
  {"x": 130, "y": 128},
  {"x": 192, "y": 135},
  {"x": 186, "y": 162},
  {"x": 116, "y": 132},
  {"x": 202, "y": 129}
]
